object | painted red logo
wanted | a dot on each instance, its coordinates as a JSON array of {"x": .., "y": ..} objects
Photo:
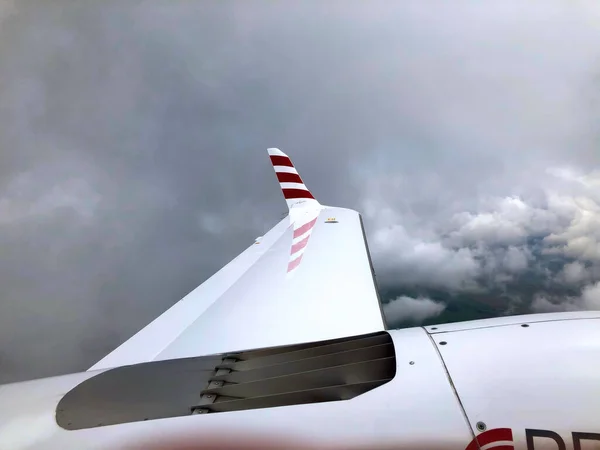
[
  {"x": 502, "y": 439},
  {"x": 502, "y": 436}
]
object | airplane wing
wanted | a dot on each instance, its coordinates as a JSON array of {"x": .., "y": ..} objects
[{"x": 308, "y": 279}]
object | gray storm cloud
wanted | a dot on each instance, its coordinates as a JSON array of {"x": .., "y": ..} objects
[
  {"x": 589, "y": 299},
  {"x": 133, "y": 137}
]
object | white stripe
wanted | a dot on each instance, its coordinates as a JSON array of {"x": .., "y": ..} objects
[
  {"x": 293, "y": 186},
  {"x": 491, "y": 445},
  {"x": 275, "y": 152},
  {"x": 285, "y": 169},
  {"x": 296, "y": 255},
  {"x": 292, "y": 202},
  {"x": 302, "y": 237}
]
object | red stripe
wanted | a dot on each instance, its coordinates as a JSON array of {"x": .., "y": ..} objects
[
  {"x": 494, "y": 435},
  {"x": 281, "y": 161},
  {"x": 296, "y": 193},
  {"x": 299, "y": 245},
  {"x": 304, "y": 228},
  {"x": 285, "y": 177},
  {"x": 473, "y": 445},
  {"x": 295, "y": 263}
]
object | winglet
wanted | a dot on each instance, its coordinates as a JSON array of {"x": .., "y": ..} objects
[{"x": 294, "y": 190}]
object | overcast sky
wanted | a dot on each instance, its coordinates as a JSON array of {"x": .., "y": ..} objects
[{"x": 133, "y": 163}]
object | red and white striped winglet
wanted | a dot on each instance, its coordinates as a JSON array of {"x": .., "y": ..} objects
[{"x": 293, "y": 188}]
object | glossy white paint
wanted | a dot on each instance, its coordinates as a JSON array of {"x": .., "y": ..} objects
[
  {"x": 331, "y": 294},
  {"x": 251, "y": 303},
  {"x": 156, "y": 336},
  {"x": 273, "y": 293},
  {"x": 418, "y": 405},
  {"x": 544, "y": 376}
]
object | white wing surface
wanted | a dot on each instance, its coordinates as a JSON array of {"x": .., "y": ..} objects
[{"x": 308, "y": 279}]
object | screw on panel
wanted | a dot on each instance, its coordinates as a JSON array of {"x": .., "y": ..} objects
[
  {"x": 412, "y": 363},
  {"x": 525, "y": 325},
  {"x": 481, "y": 426},
  {"x": 434, "y": 328},
  {"x": 443, "y": 343}
]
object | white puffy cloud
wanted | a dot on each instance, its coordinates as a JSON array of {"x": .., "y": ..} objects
[
  {"x": 503, "y": 221},
  {"x": 458, "y": 243},
  {"x": 581, "y": 239},
  {"x": 577, "y": 202},
  {"x": 574, "y": 273},
  {"x": 501, "y": 259},
  {"x": 590, "y": 297},
  {"x": 416, "y": 259},
  {"x": 504, "y": 225},
  {"x": 413, "y": 309},
  {"x": 502, "y": 238}
]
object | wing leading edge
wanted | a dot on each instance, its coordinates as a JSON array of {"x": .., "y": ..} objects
[{"x": 308, "y": 279}]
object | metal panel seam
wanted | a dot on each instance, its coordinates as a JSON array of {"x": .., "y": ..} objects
[
  {"x": 429, "y": 332},
  {"x": 453, "y": 387}
]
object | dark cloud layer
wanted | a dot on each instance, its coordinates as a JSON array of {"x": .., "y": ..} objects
[{"x": 132, "y": 163}]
